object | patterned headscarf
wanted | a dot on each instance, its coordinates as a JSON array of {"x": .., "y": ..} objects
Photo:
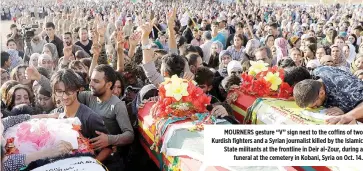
[
  {"x": 219, "y": 44},
  {"x": 341, "y": 59},
  {"x": 251, "y": 46},
  {"x": 53, "y": 50}
]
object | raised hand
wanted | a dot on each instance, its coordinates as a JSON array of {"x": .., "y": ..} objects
[
  {"x": 135, "y": 38},
  {"x": 171, "y": 19},
  {"x": 120, "y": 41},
  {"x": 96, "y": 49},
  {"x": 95, "y": 36},
  {"x": 32, "y": 73},
  {"x": 146, "y": 28},
  {"x": 101, "y": 28}
]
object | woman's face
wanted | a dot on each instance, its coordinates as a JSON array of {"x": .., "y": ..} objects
[
  {"x": 359, "y": 63},
  {"x": 4, "y": 77},
  {"x": 329, "y": 33},
  {"x": 346, "y": 51},
  {"x": 308, "y": 53},
  {"x": 34, "y": 61},
  {"x": 339, "y": 42},
  {"x": 117, "y": 88},
  {"x": 196, "y": 34},
  {"x": 21, "y": 97},
  {"x": 45, "y": 102},
  {"x": 351, "y": 39},
  {"x": 270, "y": 41},
  {"x": 335, "y": 53},
  {"x": 226, "y": 59},
  {"x": 296, "y": 57},
  {"x": 298, "y": 44},
  {"x": 12, "y": 45},
  {"x": 47, "y": 51},
  {"x": 320, "y": 53},
  {"x": 46, "y": 62},
  {"x": 361, "y": 48},
  {"x": 214, "y": 48},
  {"x": 81, "y": 69},
  {"x": 21, "y": 77},
  {"x": 237, "y": 41}
]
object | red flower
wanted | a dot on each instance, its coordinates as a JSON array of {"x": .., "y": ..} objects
[
  {"x": 285, "y": 91},
  {"x": 206, "y": 99},
  {"x": 273, "y": 69},
  {"x": 247, "y": 82},
  {"x": 261, "y": 87},
  {"x": 282, "y": 74},
  {"x": 162, "y": 92},
  {"x": 168, "y": 110},
  {"x": 167, "y": 101},
  {"x": 197, "y": 92},
  {"x": 191, "y": 88},
  {"x": 261, "y": 74},
  {"x": 187, "y": 99}
]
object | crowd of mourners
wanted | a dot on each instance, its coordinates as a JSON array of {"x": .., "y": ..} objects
[{"x": 100, "y": 62}]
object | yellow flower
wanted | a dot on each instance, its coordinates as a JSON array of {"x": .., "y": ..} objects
[
  {"x": 274, "y": 79},
  {"x": 257, "y": 67},
  {"x": 176, "y": 87}
]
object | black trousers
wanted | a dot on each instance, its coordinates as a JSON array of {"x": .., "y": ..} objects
[{"x": 114, "y": 162}]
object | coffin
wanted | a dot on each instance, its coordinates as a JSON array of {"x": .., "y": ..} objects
[
  {"x": 182, "y": 163},
  {"x": 251, "y": 110}
]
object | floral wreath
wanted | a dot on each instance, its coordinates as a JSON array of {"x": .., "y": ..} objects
[
  {"x": 263, "y": 81},
  {"x": 179, "y": 99}
]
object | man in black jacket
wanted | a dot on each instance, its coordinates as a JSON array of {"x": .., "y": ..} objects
[
  {"x": 52, "y": 38},
  {"x": 188, "y": 32}
]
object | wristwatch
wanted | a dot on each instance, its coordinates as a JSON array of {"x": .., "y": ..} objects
[{"x": 146, "y": 47}]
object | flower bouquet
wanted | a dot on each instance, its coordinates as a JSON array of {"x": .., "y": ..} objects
[
  {"x": 179, "y": 100},
  {"x": 263, "y": 81},
  {"x": 38, "y": 134}
]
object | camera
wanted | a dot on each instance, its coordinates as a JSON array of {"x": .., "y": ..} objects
[{"x": 28, "y": 32}]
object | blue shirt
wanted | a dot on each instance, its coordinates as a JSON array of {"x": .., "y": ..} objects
[
  {"x": 221, "y": 39},
  {"x": 343, "y": 89}
]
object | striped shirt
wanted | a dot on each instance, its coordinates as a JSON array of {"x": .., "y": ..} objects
[{"x": 237, "y": 55}]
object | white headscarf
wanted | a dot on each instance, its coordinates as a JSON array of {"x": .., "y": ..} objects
[{"x": 352, "y": 54}]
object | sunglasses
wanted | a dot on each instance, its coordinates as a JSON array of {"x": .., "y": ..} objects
[
  {"x": 310, "y": 68},
  {"x": 236, "y": 72},
  {"x": 132, "y": 89}
]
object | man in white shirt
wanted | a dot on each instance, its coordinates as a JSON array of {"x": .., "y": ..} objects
[{"x": 206, "y": 46}]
